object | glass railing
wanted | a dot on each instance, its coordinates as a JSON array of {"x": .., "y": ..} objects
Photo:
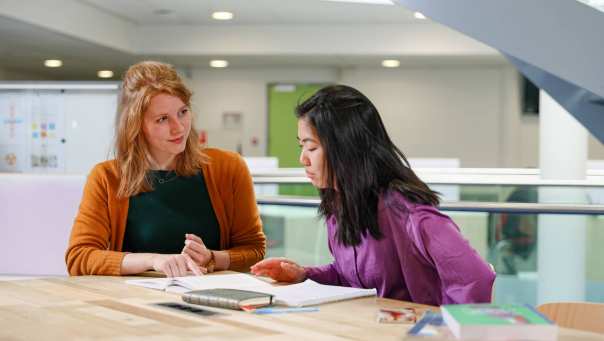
[
  {"x": 459, "y": 184},
  {"x": 528, "y": 242}
]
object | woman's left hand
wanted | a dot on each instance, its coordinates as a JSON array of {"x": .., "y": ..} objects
[{"x": 196, "y": 249}]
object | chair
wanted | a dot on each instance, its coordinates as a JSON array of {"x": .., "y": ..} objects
[{"x": 577, "y": 315}]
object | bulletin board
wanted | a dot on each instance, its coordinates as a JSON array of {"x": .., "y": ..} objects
[
  {"x": 57, "y": 128},
  {"x": 31, "y": 131}
]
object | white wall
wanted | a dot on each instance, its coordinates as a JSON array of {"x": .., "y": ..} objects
[
  {"x": 245, "y": 91},
  {"x": 447, "y": 111},
  {"x": 595, "y": 149},
  {"x": 471, "y": 113},
  {"x": 429, "y": 111},
  {"x": 528, "y": 152},
  {"x": 444, "y": 112},
  {"x": 458, "y": 111}
]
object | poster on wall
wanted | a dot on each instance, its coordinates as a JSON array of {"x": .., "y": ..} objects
[
  {"x": 62, "y": 127},
  {"x": 47, "y": 131},
  {"x": 14, "y": 121},
  {"x": 32, "y": 131}
]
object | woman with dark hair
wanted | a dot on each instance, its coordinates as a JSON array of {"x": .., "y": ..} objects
[{"x": 384, "y": 229}]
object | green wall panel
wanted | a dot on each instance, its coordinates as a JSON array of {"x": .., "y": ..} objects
[{"x": 283, "y": 129}]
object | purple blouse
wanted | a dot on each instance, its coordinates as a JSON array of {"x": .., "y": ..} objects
[{"x": 422, "y": 257}]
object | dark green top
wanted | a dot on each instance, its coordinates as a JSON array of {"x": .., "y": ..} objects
[{"x": 158, "y": 220}]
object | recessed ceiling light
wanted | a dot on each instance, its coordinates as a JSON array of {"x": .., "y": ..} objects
[
  {"x": 222, "y": 15},
  {"x": 390, "y": 63},
  {"x": 219, "y": 63},
  {"x": 419, "y": 15},
  {"x": 105, "y": 74},
  {"x": 53, "y": 63}
]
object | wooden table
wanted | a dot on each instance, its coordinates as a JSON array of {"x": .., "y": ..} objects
[{"x": 106, "y": 308}]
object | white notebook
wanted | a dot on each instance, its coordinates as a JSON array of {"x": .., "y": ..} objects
[{"x": 295, "y": 295}]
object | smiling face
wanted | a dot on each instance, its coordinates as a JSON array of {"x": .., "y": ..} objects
[
  {"x": 166, "y": 127},
  {"x": 312, "y": 155}
]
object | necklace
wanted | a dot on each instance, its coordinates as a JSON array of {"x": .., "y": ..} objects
[{"x": 163, "y": 177}]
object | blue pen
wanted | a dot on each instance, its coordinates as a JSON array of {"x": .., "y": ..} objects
[{"x": 284, "y": 310}]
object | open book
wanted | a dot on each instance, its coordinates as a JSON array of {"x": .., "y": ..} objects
[
  {"x": 296, "y": 295},
  {"x": 310, "y": 292},
  {"x": 188, "y": 283}
]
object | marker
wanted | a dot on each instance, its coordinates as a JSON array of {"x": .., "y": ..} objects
[{"x": 285, "y": 310}]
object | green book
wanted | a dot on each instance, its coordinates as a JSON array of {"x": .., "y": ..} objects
[
  {"x": 228, "y": 298},
  {"x": 498, "y": 322}
]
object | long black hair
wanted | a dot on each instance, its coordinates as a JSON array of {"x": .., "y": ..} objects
[{"x": 361, "y": 161}]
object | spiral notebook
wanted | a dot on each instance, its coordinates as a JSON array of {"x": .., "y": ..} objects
[{"x": 294, "y": 295}]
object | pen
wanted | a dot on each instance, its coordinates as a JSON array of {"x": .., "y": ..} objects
[{"x": 284, "y": 310}]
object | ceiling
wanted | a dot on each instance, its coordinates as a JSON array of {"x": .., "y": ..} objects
[
  {"x": 24, "y": 48},
  {"x": 25, "y": 42},
  {"x": 252, "y": 12}
]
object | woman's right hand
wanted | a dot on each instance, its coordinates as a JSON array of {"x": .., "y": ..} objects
[
  {"x": 280, "y": 269},
  {"x": 176, "y": 265}
]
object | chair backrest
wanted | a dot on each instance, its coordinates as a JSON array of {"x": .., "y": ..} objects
[{"x": 577, "y": 315}]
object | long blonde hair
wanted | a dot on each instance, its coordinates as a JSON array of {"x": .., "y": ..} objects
[{"x": 141, "y": 82}]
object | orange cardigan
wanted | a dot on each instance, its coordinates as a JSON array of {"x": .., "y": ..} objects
[{"x": 98, "y": 231}]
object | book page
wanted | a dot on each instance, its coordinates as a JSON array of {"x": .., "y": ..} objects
[
  {"x": 230, "y": 281},
  {"x": 311, "y": 293},
  {"x": 152, "y": 283},
  {"x": 296, "y": 295},
  {"x": 188, "y": 283}
]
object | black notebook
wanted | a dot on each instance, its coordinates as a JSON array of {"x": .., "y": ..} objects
[{"x": 228, "y": 298}]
